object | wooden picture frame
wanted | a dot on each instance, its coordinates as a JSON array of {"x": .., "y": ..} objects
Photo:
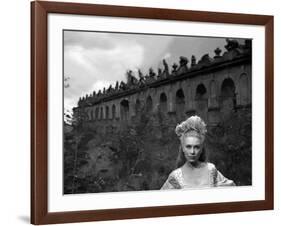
[{"x": 39, "y": 112}]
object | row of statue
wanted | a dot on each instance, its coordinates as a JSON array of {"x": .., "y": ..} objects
[{"x": 144, "y": 80}]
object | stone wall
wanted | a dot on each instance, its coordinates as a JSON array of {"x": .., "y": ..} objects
[{"x": 211, "y": 94}]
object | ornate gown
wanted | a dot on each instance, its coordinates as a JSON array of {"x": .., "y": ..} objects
[{"x": 208, "y": 176}]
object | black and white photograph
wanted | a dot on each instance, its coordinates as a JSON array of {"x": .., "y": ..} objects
[{"x": 155, "y": 112}]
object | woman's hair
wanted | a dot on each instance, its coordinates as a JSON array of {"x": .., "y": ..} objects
[{"x": 193, "y": 126}]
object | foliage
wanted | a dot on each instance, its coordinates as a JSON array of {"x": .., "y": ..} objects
[{"x": 141, "y": 156}]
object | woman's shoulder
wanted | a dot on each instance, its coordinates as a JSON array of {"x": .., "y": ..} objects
[
  {"x": 210, "y": 166},
  {"x": 219, "y": 178},
  {"x": 176, "y": 170},
  {"x": 173, "y": 180},
  {"x": 175, "y": 173}
]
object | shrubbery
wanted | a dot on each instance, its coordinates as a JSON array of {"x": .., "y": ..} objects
[{"x": 141, "y": 156}]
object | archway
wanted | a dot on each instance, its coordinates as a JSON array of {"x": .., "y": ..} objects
[
  {"x": 113, "y": 111},
  {"x": 97, "y": 113},
  {"x": 124, "y": 110},
  {"x": 149, "y": 104},
  {"x": 201, "y": 101},
  {"x": 180, "y": 104},
  {"x": 106, "y": 112},
  {"x": 138, "y": 107},
  {"x": 201, "y": 92},
  {"x": 163, "y": 103},
  {"x": 228, "y": 95}
]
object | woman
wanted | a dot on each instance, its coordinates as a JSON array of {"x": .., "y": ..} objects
[{"x": 192, "y": 169}]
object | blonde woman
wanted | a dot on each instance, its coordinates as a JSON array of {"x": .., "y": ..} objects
[{"x": 193, "y": 171}]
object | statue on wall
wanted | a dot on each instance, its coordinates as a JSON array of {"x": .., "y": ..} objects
[
  {"x": 160, "y": 74},
  {"x": 117, "y": 85},
  {"x": 131, "y": 79},
  {"x": 193, "y": 61},
  {"x": 231, "y": 44},
  {"x": 151, "y": 76},
  {"x": 109, "y": 90},
  {"x": 183, "y": 65},
  {"x": 175, "y": 66},
  {"x": 166, "y": 67},
  {"x": 141, "y": 78},
  {"x": 183, "y": 61},
  {"x": 217, "y": 53},
  {"x": 123, "y": 86},
  {"x": 151, "y": 73},
  {"x": 205, "y": 59}
]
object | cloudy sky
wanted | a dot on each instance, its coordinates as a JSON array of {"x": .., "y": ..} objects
[{"x": 93, "y": 60}]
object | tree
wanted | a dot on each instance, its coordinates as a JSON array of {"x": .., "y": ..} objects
[
  {"x": 65, "y": 82},
  {"x": 67, "y": 113}
]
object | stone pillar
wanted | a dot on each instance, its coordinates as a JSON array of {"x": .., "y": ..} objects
[
  {"x": 188, "y": 99},
  {"x": 155, "y": 103},
  {"x": 117, "y": 104},
  {"x": 171, "y": 101},
  {"x": 102, "y": 112},
  {"x": 110, "y": 111},
  {"x": 94, "y": 113}
]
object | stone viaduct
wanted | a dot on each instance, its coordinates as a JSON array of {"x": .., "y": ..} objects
[{"x": 211, "y": 88}]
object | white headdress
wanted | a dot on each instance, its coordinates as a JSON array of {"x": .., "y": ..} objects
[{"x": 193, "y": 126}]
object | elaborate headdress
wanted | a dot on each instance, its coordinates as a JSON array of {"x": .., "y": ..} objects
[{"x": 193, "y": 126}]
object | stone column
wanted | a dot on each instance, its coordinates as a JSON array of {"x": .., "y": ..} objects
[
  {"x": 171, "y": 101},
  {"x": 117, "y": 104},
  {"x": 110, "y": 111}
]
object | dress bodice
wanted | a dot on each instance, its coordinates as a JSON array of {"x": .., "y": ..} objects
[{"x": 206, "y": 176}]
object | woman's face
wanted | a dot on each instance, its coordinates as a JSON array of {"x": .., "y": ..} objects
[{"x": 192, "y": 148}]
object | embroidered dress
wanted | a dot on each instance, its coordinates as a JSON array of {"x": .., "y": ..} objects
[{"x": 206, "y": 176}]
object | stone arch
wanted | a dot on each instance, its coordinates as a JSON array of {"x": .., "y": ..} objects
[
  {"x": 228, "y": 95},
  {"x": 97, "y": 113},
  {"x": 244, "y": 89},
  {"x": 201, "y": 101},
  {"x": 113, "y": 111},
  {"x": 163, "y": 107},
  {"x": 180, "y": 103},
  {"x": 149, "y": 104},
  {"x": 138, "y": 107},
  {"x": 124, "y": 110},
  {"x": 106, "y": 112},
  {"x": 227, "y": 88},
  {"x": 201, "y": 92}
]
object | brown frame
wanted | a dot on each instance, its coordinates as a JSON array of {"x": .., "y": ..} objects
[{"x": 39, "y": 107}]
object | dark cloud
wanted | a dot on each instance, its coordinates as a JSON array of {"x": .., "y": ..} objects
[{"x": 93, "y": 60}]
